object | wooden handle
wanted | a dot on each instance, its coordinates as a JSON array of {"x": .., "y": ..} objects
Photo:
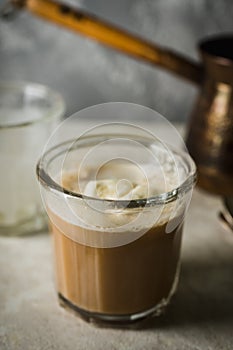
[{"x": 89, "y": 25}]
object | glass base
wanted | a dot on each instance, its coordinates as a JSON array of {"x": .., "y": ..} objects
[
  {"x": 104, "y": 320},
  {"x": 33, "y": 225},
  {"x": 113, "y": 320}
]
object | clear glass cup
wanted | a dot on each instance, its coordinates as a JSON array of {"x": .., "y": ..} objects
[
  {"x": 116, "y": 261},
  {"x": 28, "y": 114}
]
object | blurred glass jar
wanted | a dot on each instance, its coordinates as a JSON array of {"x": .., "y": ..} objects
[{"x": 28, "y": 114}]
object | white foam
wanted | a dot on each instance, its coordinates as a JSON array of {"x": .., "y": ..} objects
[{"x": 116, "y": 181}]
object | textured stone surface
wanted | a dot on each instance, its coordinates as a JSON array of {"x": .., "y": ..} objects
[
  {"x": 200, "y": 316},
  {"x": 87, "y": 73}
]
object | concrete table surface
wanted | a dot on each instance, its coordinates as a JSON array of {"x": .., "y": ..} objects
[{"x": 200, "y": 315}]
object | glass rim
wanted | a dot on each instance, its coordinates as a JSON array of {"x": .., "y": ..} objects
[
  {"x": 55, "y": 111},
  {"x": 163, "y": 198}
]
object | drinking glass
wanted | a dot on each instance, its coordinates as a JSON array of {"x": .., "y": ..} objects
[
  {"x": 117, "y": 260},
  {"x": 28, "y": 114}
]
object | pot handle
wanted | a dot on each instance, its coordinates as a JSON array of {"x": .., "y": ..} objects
[{"x": 108, "y": 34}]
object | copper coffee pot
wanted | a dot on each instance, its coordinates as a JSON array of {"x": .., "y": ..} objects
[{"x": 210, "y": 134}]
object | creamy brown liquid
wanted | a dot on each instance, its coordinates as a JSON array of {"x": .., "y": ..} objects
[{"x": 121, "y": 280}]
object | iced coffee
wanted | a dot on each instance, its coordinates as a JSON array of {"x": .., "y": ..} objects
[{"x": 117, "y": 226}]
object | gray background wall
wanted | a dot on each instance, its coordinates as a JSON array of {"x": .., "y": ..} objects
[{"x": 87, "y": 73}]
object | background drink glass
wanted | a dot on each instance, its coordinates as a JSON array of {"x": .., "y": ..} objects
[{"x": 28, "y": 114}]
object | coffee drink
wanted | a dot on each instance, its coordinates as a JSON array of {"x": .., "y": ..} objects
[
  {"x": 123, "y": 280},
  {"x": 116, "y": 215},
  {"x": 128, "y": 277}
]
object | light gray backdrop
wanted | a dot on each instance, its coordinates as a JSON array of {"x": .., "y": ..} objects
[{"x": 87, "y": 73}]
